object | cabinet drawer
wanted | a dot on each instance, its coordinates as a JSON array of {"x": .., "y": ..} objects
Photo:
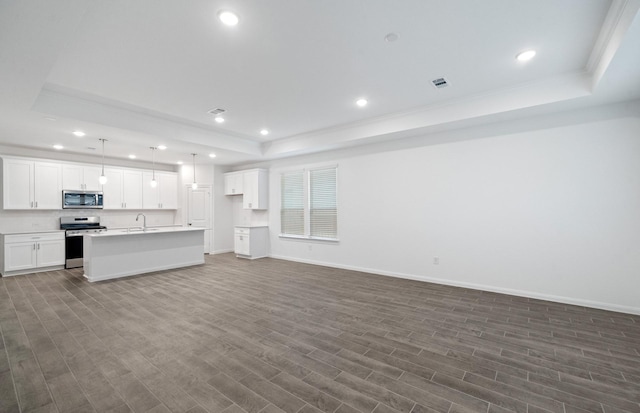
[
  {"x": 243, "y": 231},
  {"x": 35, "y": 237}
]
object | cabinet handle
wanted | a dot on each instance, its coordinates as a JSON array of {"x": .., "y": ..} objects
[
  {"x": 36, "y": 204},
  {"x": 34, "y": 247},
  {"x": 38, "y": 245}
]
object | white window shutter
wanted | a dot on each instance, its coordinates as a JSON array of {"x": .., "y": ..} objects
[
  {"x": 292, "y": 203},
  {"x": 323, "y": 211}
]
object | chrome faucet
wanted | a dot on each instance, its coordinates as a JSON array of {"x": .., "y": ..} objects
[{"x": 144, "y": 220}]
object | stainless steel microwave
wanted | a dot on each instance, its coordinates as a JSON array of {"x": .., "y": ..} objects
[{"x": 82, "y": 199}]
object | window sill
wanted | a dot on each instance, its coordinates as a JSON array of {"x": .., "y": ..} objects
[{"x": 308, "y": 238}]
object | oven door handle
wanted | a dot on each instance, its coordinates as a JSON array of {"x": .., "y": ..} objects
[{"x": 73, "y": 235}]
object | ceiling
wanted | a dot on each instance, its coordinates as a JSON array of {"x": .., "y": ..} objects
[{"x": 142, "y": 73}]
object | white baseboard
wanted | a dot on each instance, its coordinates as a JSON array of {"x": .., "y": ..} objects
[
  {"x": 473, "y": 286},
  {"x": 223, "y": 251}
]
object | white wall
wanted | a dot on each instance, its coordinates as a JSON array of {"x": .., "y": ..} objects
[{"x": 551, "y": 213}]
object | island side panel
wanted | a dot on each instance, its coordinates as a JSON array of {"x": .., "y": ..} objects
[{"x": 129, "y": 254}]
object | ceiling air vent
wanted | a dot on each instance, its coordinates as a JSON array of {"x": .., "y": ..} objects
[
  {"x": 216, "y": 111},
  {"x": 440, "y": 82}
]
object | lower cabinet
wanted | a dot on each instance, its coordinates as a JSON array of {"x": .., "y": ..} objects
[
  {"x": 25, "y": 253},
  {"x": 251, "y": 242}
]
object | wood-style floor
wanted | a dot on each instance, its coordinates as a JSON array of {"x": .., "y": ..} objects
[{"x": 269, "y": 336}]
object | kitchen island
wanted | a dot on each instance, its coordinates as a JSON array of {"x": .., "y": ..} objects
[{"x": 124, "y": 252}]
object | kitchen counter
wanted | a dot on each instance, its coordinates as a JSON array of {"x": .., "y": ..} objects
[
  {"x": 251, "y": 226},
  {"x": 119, "y": 253},
  {"x": 139, "y": 231},
  {"x": 32, "y": 231}
]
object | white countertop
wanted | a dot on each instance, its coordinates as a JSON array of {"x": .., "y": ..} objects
[
  {"x": 32, "y": 231},
  {"x": 117, "y": 232},
  {"x": 251, "y": 226}
]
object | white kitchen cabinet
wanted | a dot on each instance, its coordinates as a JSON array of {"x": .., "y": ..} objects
[
  {"x": 81, "y": 177},
  {"x": 31, "y": 185},
  {"x": 25, "y": 253},
  {"x": 132, "y": 189},
  {"x": 251, "y": 242},
  {"x": 112, "y": 190},
  {"x": 168, "y": 184},
  {"x": 19, "y": 256},
  {"x": 164, "y": 195},
  {"x": 123, "y": 189},
  {"x": 255, "y": 189},
  {"x": 17, "y": 184},
  {"x": 233, "y": 183},
  {"x": 47, "y": 185}
]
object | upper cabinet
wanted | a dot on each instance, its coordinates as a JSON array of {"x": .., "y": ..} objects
[
  {"x": 123, "y": 189},
  {"x": 34, "y": 184},
  {"x": 255, "y": 189},
  {"x": 80, "y": 177},
  {"x": 31, "y": 184},
  {"x": 233, "y": 183},
  {"x": 253, "y": 184},
  {"x": 162, "y": 196}
]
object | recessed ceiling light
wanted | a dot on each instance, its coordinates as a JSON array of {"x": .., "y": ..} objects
[
  {"x": 228, "y": 17},
  {"x": 179, "y": 162},
  {"x": 391, "y": 37},
  {"x": 219, "y": 119},
  {"x": 58, "y": 147},
  {"x": 132, "y": 156},
  {"x": 526, "y": 55},
  {"x": 212, "y": 155},
  {"x": 362, "y": 102},
  {"x": 79, "y": 133},
  {"x": 264, "y": 132},
  {"x": 162, "y": 147}
]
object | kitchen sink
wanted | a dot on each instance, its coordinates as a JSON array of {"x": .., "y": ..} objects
[{"x": 138, "y": 229}]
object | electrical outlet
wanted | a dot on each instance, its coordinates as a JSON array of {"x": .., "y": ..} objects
[{"x": 436, "y": 260}]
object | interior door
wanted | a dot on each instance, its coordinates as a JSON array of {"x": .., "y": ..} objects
[{"x": 199, "y": 212}]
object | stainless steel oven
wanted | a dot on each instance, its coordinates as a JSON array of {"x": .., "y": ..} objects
[{"x": 75, "y": 229}]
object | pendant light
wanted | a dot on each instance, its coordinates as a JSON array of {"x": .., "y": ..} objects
[
  {"x": 154, "y": 183},
  {"x": 103, "y": 177},
  {"x": 194, "y": 185}
]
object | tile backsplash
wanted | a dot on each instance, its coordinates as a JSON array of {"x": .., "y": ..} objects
[{"x": 14, "y": 221}]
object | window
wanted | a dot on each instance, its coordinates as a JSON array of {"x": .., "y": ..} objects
[{"x": 309, "y": 204}]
